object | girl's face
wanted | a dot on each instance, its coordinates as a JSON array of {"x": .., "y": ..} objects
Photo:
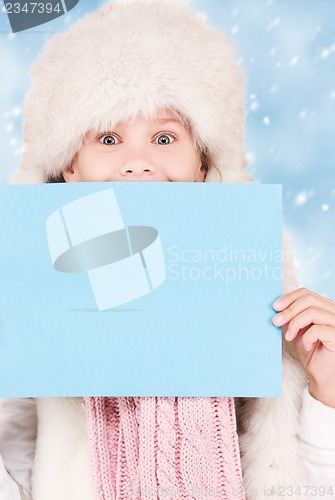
[{"x": 159, "y": 149}]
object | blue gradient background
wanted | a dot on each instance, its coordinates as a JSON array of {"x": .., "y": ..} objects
[{"x": 288, "y": 52}]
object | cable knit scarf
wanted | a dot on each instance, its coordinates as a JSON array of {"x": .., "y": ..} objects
[{"x": 159, "y": 447}]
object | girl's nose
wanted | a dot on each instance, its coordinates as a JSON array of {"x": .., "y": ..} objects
[{"x": 137, "y": 168}]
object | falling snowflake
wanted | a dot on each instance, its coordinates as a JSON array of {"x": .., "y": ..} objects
[
  {"x": 327, "y": 51},
  {"x": 294, "y": 60},
  {"x": 302, "y": 197},
  {"x": 266, "y": 120},
  {"x": 16, "y": 111},
  {"x": 251, "y": 157},
  {"x": 274, "y": 23}
]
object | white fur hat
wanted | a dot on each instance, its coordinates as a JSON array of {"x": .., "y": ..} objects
[{"x": 127, "y": 58}]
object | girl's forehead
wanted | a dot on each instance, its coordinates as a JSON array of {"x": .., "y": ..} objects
[{"x": 161, "y": 115}]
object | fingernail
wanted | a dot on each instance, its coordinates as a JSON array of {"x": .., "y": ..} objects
[
  {"x": 277, "y": 303},
  {"x": 278, "y": 319}
]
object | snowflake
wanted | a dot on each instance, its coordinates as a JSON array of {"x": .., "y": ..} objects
[
  {"x": 302, "y": 197},
  {"x": 274, "y": 23},
  {"x": 251, "y": 157},
  {"x": 16, "y": 111},
  {"x": 327, "y": 51},
  {"x": 294, "y": 60}
]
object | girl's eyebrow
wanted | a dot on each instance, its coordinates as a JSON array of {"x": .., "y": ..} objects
[{"x": 163, "y": 121}]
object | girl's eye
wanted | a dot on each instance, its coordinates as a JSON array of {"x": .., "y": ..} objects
[
  {"x": 108, "y": 139},
  {"x": 165, "y": 139}
]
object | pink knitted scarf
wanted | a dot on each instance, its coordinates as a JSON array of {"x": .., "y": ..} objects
[{"x": 159, "y": 447}]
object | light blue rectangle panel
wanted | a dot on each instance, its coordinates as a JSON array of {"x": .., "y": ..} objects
[{"x": 193, "y": 316}]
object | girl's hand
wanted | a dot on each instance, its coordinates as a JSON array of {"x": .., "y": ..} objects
[{"x": 308, "y": 320}]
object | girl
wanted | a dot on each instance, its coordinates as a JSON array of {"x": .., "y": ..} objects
[{"x": 145, "y": 90}]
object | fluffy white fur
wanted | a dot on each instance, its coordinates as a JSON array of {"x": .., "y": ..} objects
[
  {"x": 62, "y": 463},
  {"x": 128, "y": 58}
]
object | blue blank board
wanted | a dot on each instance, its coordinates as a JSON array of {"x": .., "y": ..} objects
[{"x": 206, "y": 330}]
